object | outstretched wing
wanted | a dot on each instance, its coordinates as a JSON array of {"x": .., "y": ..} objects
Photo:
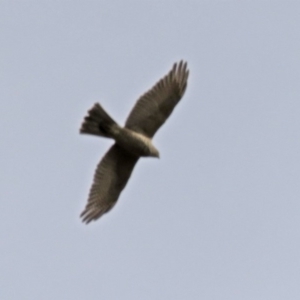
[
  {"x": 154, "y": 107},
  {"x": 110, "y": 178}
]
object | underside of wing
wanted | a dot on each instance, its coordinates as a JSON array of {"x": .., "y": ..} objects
[
  {"x": 154, "y": 107},
  {"x": 110, "y": 178}
]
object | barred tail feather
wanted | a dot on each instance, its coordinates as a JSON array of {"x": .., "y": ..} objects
[{"x": 98, "y": 122}]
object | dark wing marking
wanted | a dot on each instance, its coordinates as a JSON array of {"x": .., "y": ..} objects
[
  {"x": 110, "y": 178},
  {"x": 154, "y": 107}
]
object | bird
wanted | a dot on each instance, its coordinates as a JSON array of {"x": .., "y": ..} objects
[{"x": 132, "y": 141}]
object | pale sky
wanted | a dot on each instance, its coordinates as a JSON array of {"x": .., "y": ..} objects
[{"x": 217, "y": 216}]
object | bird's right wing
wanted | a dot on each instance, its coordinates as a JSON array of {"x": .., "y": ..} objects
[
  {"x": 110, "y": 178},
  {"x": 154, "y": 107}
]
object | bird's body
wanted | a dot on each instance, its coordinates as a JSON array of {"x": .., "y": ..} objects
[
  {"x": 136, "y": 143},
  {"x": 132, "y": 141}
]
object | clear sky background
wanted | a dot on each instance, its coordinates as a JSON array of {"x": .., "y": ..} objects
[{"x": 217, "y": 216}]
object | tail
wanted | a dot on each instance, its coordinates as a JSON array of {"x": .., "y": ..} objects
[{"x": 98, "y": 122}]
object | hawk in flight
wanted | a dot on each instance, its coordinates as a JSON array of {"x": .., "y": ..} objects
[{"x": 132, "y": 141}]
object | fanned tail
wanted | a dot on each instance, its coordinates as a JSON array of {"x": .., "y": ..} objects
[{"x": 98, "y": 122}]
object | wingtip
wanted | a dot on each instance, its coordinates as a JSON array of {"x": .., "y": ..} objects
[
  {"x": 92, "y": 213},
  {"x": 180, "y": 66},
  {"x": 182, "y": 63},
  {"x": 86, "y": 217}
]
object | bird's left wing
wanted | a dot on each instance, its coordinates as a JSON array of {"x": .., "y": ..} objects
[
  {"x": 154, "y": 107},
  {"x": 110, "y": 178}
]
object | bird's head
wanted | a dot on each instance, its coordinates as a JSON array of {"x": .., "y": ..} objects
[{"x": 154, "y": 152}]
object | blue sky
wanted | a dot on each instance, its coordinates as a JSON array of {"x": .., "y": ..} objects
[{"x": 217, "y": 216}]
